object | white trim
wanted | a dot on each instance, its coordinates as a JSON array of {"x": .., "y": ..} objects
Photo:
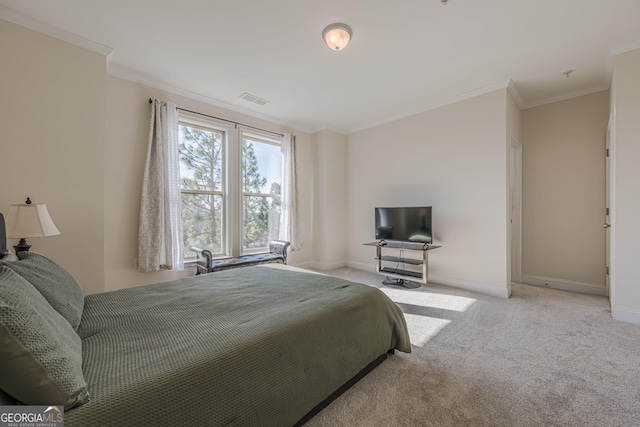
[
  {"x": 57, "y": 33},
  {"x": 447, "y": 281},
  {"x": 117, "y": 71},
  {"x": 60, "y": 34},
  {"x": 480, "y": 288},
  {"x": 612, "y": 207},
  {"x": 513, "y": 90},
  {"x": 515, "y": 147},
  {"x": 360, "y": 266},
  {"x": 442, "y": 103},
  {"x": 623, "y": 48},
  {"x": 304, "y": 264},
  {"x": 564, "y": 97},
  {"x": 332, "y": 129},
  {"x": 611, "y": 57},
  {"x": 565, "y": 285},
  {"x": 609, "y": 260},
  {"x": 320, "y": 266},
  {"x": 605, "y": 85},
  {"x": 625, "y": 315},
  {"x": 126, "y": 74},
  {"x": 203, "y": 121}
]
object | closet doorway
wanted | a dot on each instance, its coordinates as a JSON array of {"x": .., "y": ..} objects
[{"x": 515, "y": 196}]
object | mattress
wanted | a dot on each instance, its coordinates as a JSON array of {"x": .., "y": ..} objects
[{"x": 259, "y": 346}]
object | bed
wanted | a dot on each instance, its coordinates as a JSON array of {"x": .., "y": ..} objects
[{"x": 263, "y": 345}]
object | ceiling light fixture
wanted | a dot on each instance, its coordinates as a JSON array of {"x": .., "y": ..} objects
[{"x": 337, "y": 36}]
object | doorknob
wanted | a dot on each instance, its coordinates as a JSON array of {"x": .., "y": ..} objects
[{"x": 606, "y": 225}]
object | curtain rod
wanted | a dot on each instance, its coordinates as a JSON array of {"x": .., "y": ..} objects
[{"x": 224, "y": 120}]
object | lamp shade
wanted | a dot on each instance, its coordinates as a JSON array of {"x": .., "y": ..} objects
[
  {"x": 30, "y": 220},
  {"x": 337, "y": 36}
]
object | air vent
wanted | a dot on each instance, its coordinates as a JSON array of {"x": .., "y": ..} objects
[{"x": 252, "y": 98}]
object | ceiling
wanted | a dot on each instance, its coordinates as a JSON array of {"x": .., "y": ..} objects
[{"x": 405, "y": 56}]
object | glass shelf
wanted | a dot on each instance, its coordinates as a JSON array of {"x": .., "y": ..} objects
[
  {"x": 403, "y": 245},
  {"x": 402, "y": 275}
]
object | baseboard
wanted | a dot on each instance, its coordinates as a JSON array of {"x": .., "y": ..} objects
[
  {"x": 305, "y": 264},
  {"x": 565, "y": 285},
  {"x": 625, "y": 315},
  {"x": 320, "y": 266},
  {"x": 447, "y": 281},
  {"x": 361, "y": 266},
  {"x": 470, "y": 286}
]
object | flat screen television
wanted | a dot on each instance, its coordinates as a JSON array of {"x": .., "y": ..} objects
[{"x": 407, "y": 224}]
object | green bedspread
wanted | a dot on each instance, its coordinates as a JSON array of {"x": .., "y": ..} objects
[{"x": 252, "y": 346}]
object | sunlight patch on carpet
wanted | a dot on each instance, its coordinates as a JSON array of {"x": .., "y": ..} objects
[
  {"x": 425, "y": 299},
  {"x": 423, "y": 328}
]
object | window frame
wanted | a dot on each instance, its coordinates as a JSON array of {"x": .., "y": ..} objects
[
  {"x": 263, "y": 138},
  {"x": 211, "y": 126}
]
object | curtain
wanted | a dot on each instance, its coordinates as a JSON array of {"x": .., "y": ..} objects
[
  {"x": 289, "y": 224},
  {"x": 160, "y": 231}
]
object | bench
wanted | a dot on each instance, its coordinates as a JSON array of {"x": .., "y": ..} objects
[{"x": 206, "y": 264}]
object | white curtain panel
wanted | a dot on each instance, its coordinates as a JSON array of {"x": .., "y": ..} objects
[
  {"x": 289, "y": 224},
  {"x": 160, "y": 233}
]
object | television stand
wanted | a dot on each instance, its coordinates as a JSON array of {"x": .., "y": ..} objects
[
  {"x": 390, "y": 281},
  {"x": 400, "y": 276}
]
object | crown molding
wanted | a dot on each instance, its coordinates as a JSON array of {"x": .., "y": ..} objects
[
  {"x": 57, "y": 33},
  {"x": 126, "y": 74},
  {"x": 564, "y": 97},
  {"x": 611, "y": 55},
  {"x": 444, "y": 102},
  {"x": 515, "y": 94},
  {"x": 332, "y": 129},
  {"x": 18, "y": 18},
  {"x": 627, "y": 47}
]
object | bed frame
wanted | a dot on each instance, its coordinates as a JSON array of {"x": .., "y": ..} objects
[
  {"x": 346, "y": 386},
  {"x": 315, "y": 410}
]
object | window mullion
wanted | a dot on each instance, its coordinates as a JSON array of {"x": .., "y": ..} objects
[
  {"x": 260, "y": 194},
  {"x": 211, "y": 192},
  {"x": 202, "y": 154}
]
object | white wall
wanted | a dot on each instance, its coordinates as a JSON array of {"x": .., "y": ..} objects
[
  {"x": 453, "y": 158},
  {"x": 564, "y": 193},
  {"x": 127, "y": 128},
  {"x": 330, "y": 201},
  {"x": 625, "y": 228},
  {"x": 76, "y": 139},
  {"x": 52, "y": 144},
  {"x": 514, "y": 119}
]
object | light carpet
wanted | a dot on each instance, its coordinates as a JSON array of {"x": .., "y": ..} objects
[{"x": 540, "y": 358}]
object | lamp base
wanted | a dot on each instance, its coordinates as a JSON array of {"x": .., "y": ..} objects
[{"x": 22, "y": 246}]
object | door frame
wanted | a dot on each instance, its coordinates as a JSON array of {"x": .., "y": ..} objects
[
  {"x": 515, "y": 208},
  {"x": 609, "y": 217}
]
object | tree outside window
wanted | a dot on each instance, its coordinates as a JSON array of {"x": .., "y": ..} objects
[
  {"x": 261, "y": 184},
  {"x": 201, "y": 176},
  {"x": 202, "y": 181}
]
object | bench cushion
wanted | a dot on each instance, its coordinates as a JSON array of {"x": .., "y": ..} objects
[{"x": 245, "y": 260}]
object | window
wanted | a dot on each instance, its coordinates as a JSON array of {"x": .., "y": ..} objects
[
  {"x": 230, "y": 183},
  {"x": 261, "y": 182},
  {"x": 202, "y": 177}
]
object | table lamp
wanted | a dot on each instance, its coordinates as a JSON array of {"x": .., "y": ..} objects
[{"x": 29, "y": 220}]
